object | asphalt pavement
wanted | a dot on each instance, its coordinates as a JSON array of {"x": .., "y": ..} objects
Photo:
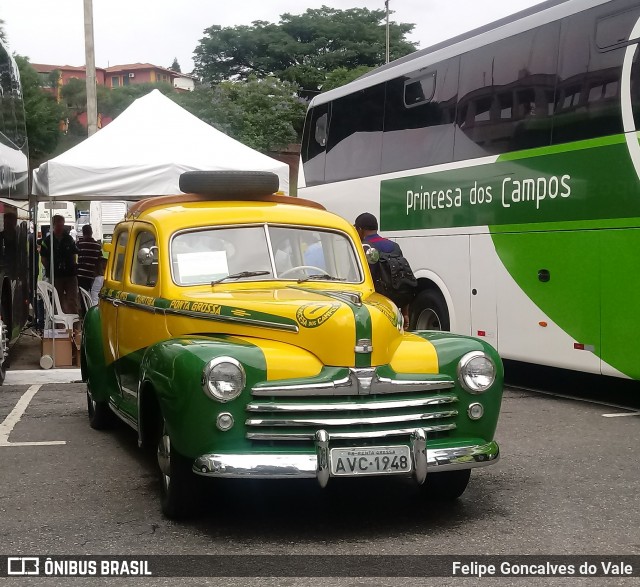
[{"x": 567, "y": 483}]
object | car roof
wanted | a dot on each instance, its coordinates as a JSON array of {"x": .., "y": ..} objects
[{"x": 190, "y": 211}]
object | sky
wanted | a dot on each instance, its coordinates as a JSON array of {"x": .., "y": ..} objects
[{"x": 156, "y": 31}]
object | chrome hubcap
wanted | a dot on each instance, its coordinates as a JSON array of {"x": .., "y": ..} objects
[
  {"x": 164, "y": 457},
  {"x": 4, "y": 342},
  {"x": 91, "y": 403},
  {"x": 428, "y": 320}
]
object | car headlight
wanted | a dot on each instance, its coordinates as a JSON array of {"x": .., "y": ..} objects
[
  {"x": 476, "y": 372},
  {"x": 223, "y": 378}
]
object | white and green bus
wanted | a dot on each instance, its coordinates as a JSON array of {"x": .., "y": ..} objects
[{"x": 506, "y": 164}]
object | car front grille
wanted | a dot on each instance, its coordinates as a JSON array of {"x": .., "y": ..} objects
[{"x": 361, "y": 406}]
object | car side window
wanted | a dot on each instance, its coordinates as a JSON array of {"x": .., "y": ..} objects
[
  {"x": 144, "y": 265},
  {"x": 119, "y": 256}
]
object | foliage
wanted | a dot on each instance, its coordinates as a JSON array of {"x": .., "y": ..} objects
[
  {"x": 3, "y": 35},
  {"x": 175, "y": 66},
  {"x": 342, "y": 75},
  {"x": 74, "y": 94},
  {"x": 43, "y": 114},
  {"x": 264, "y": 114},
  {"x": 53, "y": 79},
  {"x": 302, "y": 49},
  {"x": 111, "y": 101}
]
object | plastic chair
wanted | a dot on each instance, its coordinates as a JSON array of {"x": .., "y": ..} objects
[
  {"x": 50, "y": 299},
  {"x": 85, "y": 296}
]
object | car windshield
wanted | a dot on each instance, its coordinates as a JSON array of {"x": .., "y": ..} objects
[{"x": 258, "y": 253}]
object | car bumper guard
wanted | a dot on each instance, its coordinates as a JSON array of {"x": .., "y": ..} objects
[{"x": 307, "y": 466}]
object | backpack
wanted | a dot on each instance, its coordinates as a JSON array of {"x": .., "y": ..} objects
[{"x": 394, "y": 278}]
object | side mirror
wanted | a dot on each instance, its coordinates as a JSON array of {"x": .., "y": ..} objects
[
  {"x": 148, "y": 256},
  {"x": 371, "y": 253}
]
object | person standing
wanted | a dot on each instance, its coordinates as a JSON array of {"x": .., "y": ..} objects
[
  {"x": 9, "y": 243},
  {"x": 366, "y": 224},
  {"x": 65, "y": 274},
  {"x": 89, "y": 254}
]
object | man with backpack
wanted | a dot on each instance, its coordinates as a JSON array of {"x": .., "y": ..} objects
[{"x": 392, "y": 275}]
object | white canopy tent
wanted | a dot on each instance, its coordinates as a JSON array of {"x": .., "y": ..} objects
[{"x": 143, "y": 152}]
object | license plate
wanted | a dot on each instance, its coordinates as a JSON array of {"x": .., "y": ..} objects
[{"x": 371, "y": 460}]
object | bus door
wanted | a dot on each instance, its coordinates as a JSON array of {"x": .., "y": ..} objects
[{"x": 484, "y": 316}]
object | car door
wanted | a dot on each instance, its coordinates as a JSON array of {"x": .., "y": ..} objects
[
  {"x": 111, "y": 303},
  {"x": 139, "y": 323}
]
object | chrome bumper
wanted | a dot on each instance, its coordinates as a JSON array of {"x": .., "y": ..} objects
[{"x": 308, "y": 466}]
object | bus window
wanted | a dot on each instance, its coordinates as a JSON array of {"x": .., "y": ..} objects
[
  {"x": 506, "y": 94},
  {"x": 587, "y": 102},
  {"x": 614, "y": 30},
  {"x": 418, "y": 91},
  {"x": 314, "y": 151},
  {"x": 418, "y": 118},
  {"x": 355, "y": 135}
]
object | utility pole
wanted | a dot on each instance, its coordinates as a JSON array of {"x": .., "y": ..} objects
[
  {"x": 95, "y": 208},
  {"x": 90, "y": 66},
  {"x": 386, "y": 4}
]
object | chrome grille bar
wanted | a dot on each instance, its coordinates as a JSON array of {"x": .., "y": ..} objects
[
  {"x": 275, "y": 407},
  {"x": 359, "y": 382},
  {"x": 292, "y": 422}
]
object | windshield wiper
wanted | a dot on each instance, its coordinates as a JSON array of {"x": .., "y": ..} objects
[
  {"x": 321, "y": 276},
  {"x": 240, "y": 276}
]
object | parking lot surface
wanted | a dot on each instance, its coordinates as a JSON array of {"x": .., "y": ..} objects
[{"x": 566, "y": 484}]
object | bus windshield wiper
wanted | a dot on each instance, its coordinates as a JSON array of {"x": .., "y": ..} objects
[
  {"x": 321, "y": 276},
  {"x": 240, "y": 276}
]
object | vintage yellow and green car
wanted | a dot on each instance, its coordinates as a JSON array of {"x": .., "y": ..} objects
[{"x": 239, "y": 333}]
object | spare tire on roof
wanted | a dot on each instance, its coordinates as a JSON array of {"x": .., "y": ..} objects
[{"x": 234, "y": 184}]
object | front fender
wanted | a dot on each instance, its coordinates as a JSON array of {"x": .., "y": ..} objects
[
  {"x": 450, "y": 349},
  {"x": 173, "y": 368},
  {"x": 99, "y": 376}
]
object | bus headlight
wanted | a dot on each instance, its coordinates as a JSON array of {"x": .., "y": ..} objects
[
  {"x": 223, "y": 378},
  {"x": 476, "y": 372}
]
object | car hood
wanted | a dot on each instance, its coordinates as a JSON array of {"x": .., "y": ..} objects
[{"x": 339, "y": 327}]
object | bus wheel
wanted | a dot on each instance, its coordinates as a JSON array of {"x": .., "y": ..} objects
[
  {"x": 446, "y": 486},
  {"x": 429, "y": 311}
]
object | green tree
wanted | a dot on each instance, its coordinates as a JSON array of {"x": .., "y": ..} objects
[
  {"x": 341, "y": 76},
  {"x": 302, "y": 49},
  {"x": 175, "y": 66},
  {"x": 3, "y": 35},
  {"x": 42, "y": 112},
  {"x": 112, "y": 102},
  {"x": 74, "y": 94},
  {"x": 264, "y": 114}
]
